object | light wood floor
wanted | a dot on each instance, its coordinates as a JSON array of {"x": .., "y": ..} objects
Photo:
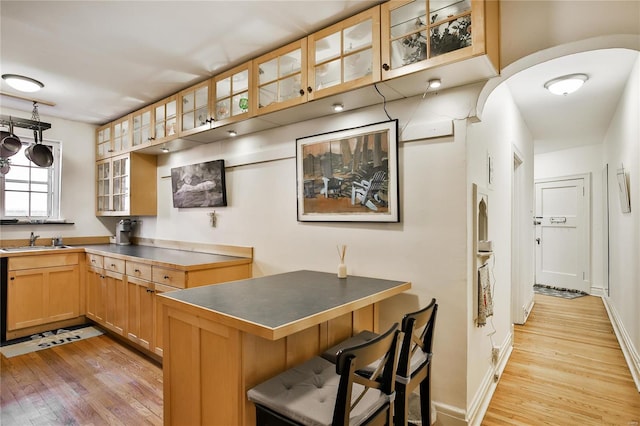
[
  {"x": 566, "y": 368},
  {"x": 96, "y": 381}
]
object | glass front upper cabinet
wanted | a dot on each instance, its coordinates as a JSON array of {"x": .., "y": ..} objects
[
  {"x": 103, "y": 186},
  {"x": 281, "y": 78},
  {"x": 142, "y": 127},
  {"x": 121, "y": 135},
  {"x": 418, "y": 34},
  {"x": 232, "y": 92},
  {"x": 194, "y": 109},
  {"x": 165, "y": 116},
  {"x": 120, "y": 185},
  {"x": 104, "y": 143},
  {"x": 346, "y": 55}
]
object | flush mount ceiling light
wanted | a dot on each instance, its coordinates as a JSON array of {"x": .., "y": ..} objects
[
  {"x": 164, "y": 149},
  {"x": 337, "y": 107},
  {"x": 434, "y": 83},
  {"x": 233, "y": 133},
  {"x": 566, "y": 84},
  {"x": 22, "y": 83}
]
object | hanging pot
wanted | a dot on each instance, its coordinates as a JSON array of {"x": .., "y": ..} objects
[
  {"x": 9, "y": 144},
  {"x": 40, "y": 154}
]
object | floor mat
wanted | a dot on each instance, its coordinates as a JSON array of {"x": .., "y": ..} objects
[
  {"x": 47, "y": 340},
  {"x": 565, "y": 293}
]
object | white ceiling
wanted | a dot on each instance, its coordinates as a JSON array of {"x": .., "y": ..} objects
[{"x": 100, "y": 60}]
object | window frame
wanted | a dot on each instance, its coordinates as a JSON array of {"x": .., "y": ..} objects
[{"x": 55, "y": 179}]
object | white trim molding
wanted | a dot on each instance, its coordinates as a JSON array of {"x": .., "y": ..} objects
[{"x": 628, "y": 350}]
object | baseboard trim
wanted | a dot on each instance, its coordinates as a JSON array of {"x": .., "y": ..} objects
[
  {"x": 482, "y": 399},
  {"x": 630, "y": 353}
]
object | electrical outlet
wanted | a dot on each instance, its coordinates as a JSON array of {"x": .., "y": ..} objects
[
  {"x": 496, "y": 377},
  {"x": 495, "y": 354}
]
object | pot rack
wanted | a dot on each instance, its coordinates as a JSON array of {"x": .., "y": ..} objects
[{"x": 24, "y": 123}]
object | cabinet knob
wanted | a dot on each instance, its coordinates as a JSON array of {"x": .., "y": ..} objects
[
  {"x": 13, "y": 278},
  {"x": 136, "y": 270},
  {"x": 113, "y": 265},
  {"x": 385, "y": 67},
  {"x": 309, "y": 89},
  {"x": 166, "y": 277},
  {"x": 301, "y": 92}
]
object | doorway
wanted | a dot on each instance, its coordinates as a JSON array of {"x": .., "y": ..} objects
[{"x": 563, "y": 241}]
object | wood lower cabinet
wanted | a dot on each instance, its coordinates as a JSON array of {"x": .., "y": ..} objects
[
  {"x": 107, "y": 293},
  {"x": 42, "y": 290},
  {"x": 96, "y": 294},
  {"x": 116, "y": 305},
  {"x": 140, "y": 312}
]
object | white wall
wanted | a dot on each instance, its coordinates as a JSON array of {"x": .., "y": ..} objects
[
  {"x": 501, "y": 128},
  {"x": 78, "y": 181},
  {"x": 621, "y": 147},
  {"x": 586, "y": 159}
]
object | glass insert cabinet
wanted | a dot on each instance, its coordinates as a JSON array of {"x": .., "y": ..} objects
[
  {"x": 232, "y": 94},
  {"x": 194, "y": 109},
  {"x": 419, "y": 34}
]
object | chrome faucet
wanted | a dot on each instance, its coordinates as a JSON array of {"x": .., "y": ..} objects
[{"x": 32, "y": 239}]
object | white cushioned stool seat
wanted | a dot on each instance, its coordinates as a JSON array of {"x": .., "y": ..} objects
[{"x": 307, "y": 394}]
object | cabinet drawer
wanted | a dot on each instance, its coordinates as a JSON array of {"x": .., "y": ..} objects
[
  {"x": 95, "y": 260},
  {"x": 42, "y": 261},
  {"x": 139, "y": 270},
  {"x": 114, "y": 265},
  {"x": 171, "y": 277}
]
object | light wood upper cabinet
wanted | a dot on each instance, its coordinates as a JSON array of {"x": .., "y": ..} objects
[
  {"x": 165, "y": 120},
  {"x": 121, "y": 132},
  {"x": 104, "y": 142},
  {"x": 142, "y": 128},
  {"x": 345, "y": 56},
  {"x": 281, "y": 78},
  {"x": 421, "y": 34},
  {"x": 126, "y": 185},
  {"x": 194, "y": 107},
  {"x": 232, "y": 92}
]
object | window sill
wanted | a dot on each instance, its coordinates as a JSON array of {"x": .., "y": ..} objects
[{"x": 5, "y": 222}]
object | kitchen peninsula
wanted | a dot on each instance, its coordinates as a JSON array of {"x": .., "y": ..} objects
[{"x": 221, "y": 340}]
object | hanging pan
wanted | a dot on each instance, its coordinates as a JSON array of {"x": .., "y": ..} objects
[
  {"x": 40, "y": 154},
  {"x": 9, "y": 144}
]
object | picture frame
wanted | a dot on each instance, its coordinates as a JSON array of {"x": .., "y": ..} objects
[
  {"x": 623, "y": 191},
  {"x": 199, "y": 185},
  {"x": 349, "y": 175}
]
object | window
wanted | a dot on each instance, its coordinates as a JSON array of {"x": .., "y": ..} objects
[{"x": 29, "y": 191}]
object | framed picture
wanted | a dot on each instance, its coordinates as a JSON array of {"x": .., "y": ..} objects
[
  {"x": 623, "y": 189},
  {"x": 199, "y": 185},
  {"x": 349, "y": 175}
]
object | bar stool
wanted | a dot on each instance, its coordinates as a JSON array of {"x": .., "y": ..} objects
[
  {"x": 319, "y": 392},
  {"x": 414, "y": 365}
]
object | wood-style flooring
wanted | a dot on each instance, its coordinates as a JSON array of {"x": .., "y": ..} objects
[
  {"x": 566, "y": 368},
  {"x": 95, "y": 381}
]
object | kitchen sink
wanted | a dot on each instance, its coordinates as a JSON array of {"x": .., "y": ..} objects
[{"x": 32, "y": 248}]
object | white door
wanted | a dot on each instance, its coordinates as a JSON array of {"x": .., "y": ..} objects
[{"x": 562, "y": 234}]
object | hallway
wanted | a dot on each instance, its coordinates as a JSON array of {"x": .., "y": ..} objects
[{"x": 566, "y": 368}]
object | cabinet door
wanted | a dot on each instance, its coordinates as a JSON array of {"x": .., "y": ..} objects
[
  {"x": 420, "y": 34},
  {"x": 103, "y": 188},
  {"x": 142, "y": 126},
  {"x": 281, "y": 78},
  {"x": 140, "y": 315},
  {"x": 116, "y": 302},
  {"x": 62, "y": 300},
  {"x": 96, "y": 295},
  {"x": 194, "y": 109},
  {"x": 104, "y": 143},
  {"x": 165, "y": 119},
  {"x": 26, "y": 304},
  {"x": 122, "y": 135},
  {"x": 231, "y": 95},
  {"x": 345, "y": 56},
  {"x": 120, "y": 185},
  {"x": 158, "y": 336}
]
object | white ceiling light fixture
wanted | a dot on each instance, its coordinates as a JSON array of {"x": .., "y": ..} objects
[
  {"x": 434, "y": 83},
  {"x": 337, "y": 107},
  {"x": 164, "y": 149},
  {"x": 22, "y": 83},
  {"x": 566, "y": 84},
  {"x": 233, "y": 133}
]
